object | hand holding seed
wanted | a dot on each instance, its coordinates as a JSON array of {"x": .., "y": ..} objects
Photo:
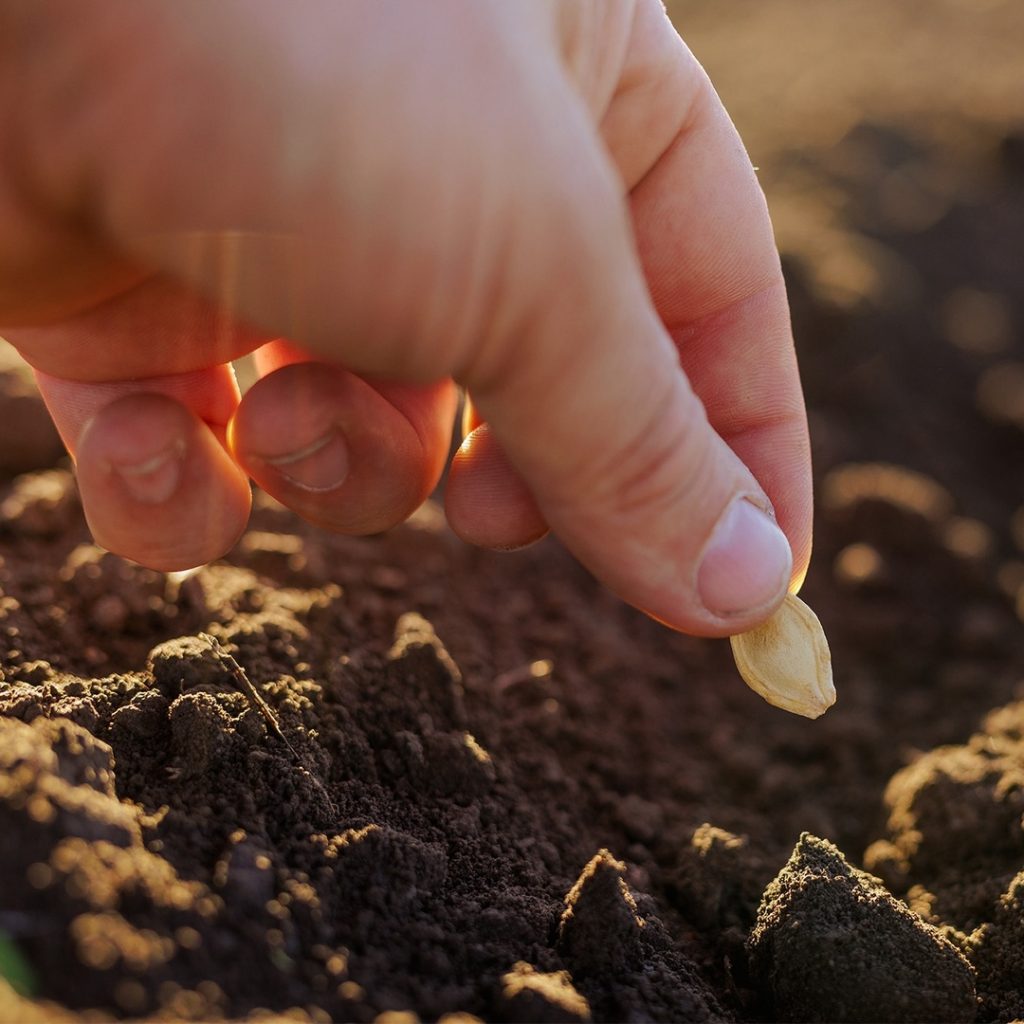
[
  {"x": 404, "y": 228},
  {"x": 787, "y": 661}
]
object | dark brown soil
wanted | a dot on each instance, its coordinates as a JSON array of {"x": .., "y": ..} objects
[{"x": 499, "y": 792}]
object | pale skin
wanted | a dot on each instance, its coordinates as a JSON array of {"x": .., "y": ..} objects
[{"x": 543, "y": 202}]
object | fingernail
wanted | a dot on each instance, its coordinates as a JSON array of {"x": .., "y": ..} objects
[
  {"x": 152, "y": 481},
  {"x": 747, "y": 563},
  {"x": 322, "y": 465}
]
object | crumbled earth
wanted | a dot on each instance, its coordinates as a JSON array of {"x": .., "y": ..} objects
[
  {"x": 476, "y": 784},
  {"x": 831, "y": 944}
]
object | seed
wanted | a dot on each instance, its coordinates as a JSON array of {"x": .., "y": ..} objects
[{"x": 787, "y": 660}]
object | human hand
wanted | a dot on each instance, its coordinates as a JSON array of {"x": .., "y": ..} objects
[{"x": 543, "y": 202}]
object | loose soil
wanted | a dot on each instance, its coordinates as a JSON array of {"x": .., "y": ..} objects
[{"x": 495, "y": 790}]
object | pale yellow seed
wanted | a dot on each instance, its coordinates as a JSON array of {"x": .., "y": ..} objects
[{"x": 787, "y": 660}]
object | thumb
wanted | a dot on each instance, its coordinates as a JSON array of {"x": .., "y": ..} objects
[
  {"x": 593, "y": 408},
  {"x": 598, "y": 417}
]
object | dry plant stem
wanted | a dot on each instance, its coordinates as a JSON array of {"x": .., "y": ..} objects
[
  {"x": 245, "y": 685},
  {"x": 787, "y": 660}
]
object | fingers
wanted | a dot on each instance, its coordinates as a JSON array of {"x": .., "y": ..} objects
[
  {"x": 348, "y": 455},
  {"x": 138, "y": 395},
  {"x": 156, "y": 484},
  {"x": 701, "y": 429},
  {"x": 709, "y": 260},
  {"x": 707, "y": 250},
  {"x": 486, "y": 501},
  {"x": 594, "y": 410},
  {"x": 162, "y": 490}
]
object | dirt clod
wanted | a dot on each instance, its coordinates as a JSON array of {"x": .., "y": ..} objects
[{"x": 830, "y": 944}]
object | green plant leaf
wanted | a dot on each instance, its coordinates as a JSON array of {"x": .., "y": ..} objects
[{"x": 15, "y": 969}]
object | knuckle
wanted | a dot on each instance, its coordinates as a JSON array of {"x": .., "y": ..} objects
[{"x": 663, "y": 462}]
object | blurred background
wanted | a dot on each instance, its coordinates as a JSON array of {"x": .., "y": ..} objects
[
  {"x": 800, "y": 72},
  {"x": 889, "y": 139}
]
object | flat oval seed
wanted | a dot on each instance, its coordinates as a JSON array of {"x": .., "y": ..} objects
[{"x": 787, "y": 660}]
